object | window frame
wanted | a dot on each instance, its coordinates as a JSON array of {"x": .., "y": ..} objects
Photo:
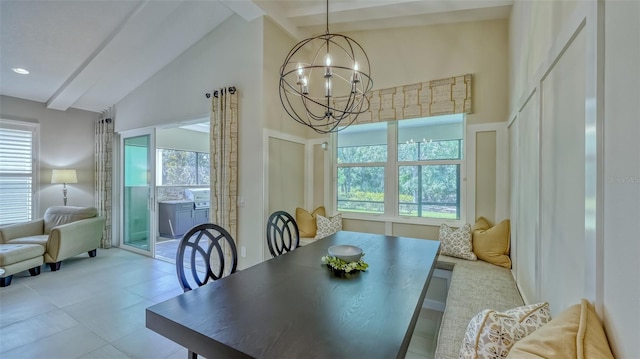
[
  {"x": 159, "y": 168},
  {"x": 34, "y": 128},
  {"x": 391, "y": 182}
]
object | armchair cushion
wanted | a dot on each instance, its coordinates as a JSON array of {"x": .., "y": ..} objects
[
  {"x": 19, "y": 230},
  {"x": 40, "y": 239},
  {"x": 58, "y": 215}
]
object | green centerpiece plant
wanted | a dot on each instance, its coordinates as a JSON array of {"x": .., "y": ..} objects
[{"x": 343, "y": 268}]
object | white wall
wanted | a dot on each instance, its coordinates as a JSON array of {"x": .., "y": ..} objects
[
  {"x": 231, "y": 55},
  {"x": 405, "y": 56},
  {"x": 277, "y": 45},
  {"x": 549, "y": 118},
  {"x": 534, "y": 25},
  {"x": 577, "y": 237},
  {"x": 622, "y": 177},
  {"x": 562, "y": 177},
  {"x": 66, "y": 141}
]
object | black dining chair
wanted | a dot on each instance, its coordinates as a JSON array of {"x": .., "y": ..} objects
[
  {"x": 282, "y": 233},
  {"x": 206, "y": 252}
]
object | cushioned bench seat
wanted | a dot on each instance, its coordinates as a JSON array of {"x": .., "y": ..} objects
[
  {"x": 306, "y": 240},
  {"x": 474, "y": 286}
]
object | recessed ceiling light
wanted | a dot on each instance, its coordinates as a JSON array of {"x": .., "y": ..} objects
[{"x": 20, "y": 70}]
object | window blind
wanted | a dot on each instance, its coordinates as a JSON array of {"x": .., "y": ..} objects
[{"x": 17, "y": 172}]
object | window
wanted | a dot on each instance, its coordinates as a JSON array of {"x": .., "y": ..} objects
[
  {"x": 429, "y": 160},
  {"x": 408, "y": 168},
  {"x": 179, "y": 168},
  {"x": 18, "y": 145},
  {"x": 362, "y": 156}
]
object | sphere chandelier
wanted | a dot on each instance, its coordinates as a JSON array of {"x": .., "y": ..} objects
[{"x": 329, "y": 91}]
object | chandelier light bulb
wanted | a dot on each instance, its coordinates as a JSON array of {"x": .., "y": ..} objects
[
  {"x": 327, "y": 70},
  {"x": 356, "y": 75},
  {"x": 300, "y": 74}
]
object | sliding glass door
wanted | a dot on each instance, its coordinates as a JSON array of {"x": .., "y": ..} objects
[{"x": 138, "y": 189}]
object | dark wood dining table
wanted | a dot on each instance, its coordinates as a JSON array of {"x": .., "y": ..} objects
[{"x": 293, "y": 306}]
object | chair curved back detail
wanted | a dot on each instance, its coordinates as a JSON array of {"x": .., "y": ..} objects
[
  {"x": 282, "y": 233},
  {"x": 206, "y": 252}
]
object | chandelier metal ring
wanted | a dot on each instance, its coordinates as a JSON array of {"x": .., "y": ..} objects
[{"x": 330, "y": 91}]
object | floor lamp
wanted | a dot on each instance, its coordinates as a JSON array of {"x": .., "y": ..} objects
[{"x": 64, "y": 177}]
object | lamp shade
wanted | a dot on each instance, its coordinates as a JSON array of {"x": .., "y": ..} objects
[{"x": 64, "y": 176}]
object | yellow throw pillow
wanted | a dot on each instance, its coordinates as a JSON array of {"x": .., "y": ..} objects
[
  {"x": 307, "y": 221},
  {"x": 491, "y": 244},
  {"x": 575, "y": 333}
]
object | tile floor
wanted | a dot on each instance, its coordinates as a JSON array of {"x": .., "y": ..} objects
[
  {"x": 95, "y": 308},
  {"x": 167, "y": 248}
]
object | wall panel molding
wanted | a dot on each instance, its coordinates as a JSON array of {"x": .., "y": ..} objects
[{"x": 585, "y": 20}]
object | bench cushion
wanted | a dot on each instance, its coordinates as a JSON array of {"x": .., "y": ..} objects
[{"x": 475, "y": 286}]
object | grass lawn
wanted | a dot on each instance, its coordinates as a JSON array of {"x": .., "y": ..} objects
[{"x": 438, "y": 215}]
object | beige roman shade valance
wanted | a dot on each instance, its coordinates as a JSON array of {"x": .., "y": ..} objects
[{"x": 432, "y": 98}]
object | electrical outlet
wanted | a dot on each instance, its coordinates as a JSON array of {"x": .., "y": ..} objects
[{"x": 243, "y": 251}]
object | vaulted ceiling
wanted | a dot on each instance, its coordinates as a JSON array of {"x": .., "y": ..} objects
[{"x": 89, "y": 54}]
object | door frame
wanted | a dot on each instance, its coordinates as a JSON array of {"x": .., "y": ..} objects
[{"x": 152, "y": 203}]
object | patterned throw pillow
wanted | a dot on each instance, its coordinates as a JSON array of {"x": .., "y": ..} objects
[
  {"x": 491, "y": 334},
  {"x": 328, "y": 226},
  {"x": 456, "y": 243}
]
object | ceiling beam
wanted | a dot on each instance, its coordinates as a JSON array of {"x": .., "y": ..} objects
[
  {"x": 278, "y": 15},
  {"x": 367, "y": 10},
  {"x": 321, "y": 8},
  {"x": 127, "y": 37},
  {"x": 248, "y": 10}
]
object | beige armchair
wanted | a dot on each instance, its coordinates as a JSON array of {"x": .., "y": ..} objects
[{"x": 64, "y": 232}]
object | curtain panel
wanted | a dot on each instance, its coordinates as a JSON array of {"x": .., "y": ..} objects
[
  {"x": 224, "y": 159},
  {"x": 103, "y": 176}
]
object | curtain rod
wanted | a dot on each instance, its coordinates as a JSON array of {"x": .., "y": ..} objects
[{"x": 231, "y": 89}]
